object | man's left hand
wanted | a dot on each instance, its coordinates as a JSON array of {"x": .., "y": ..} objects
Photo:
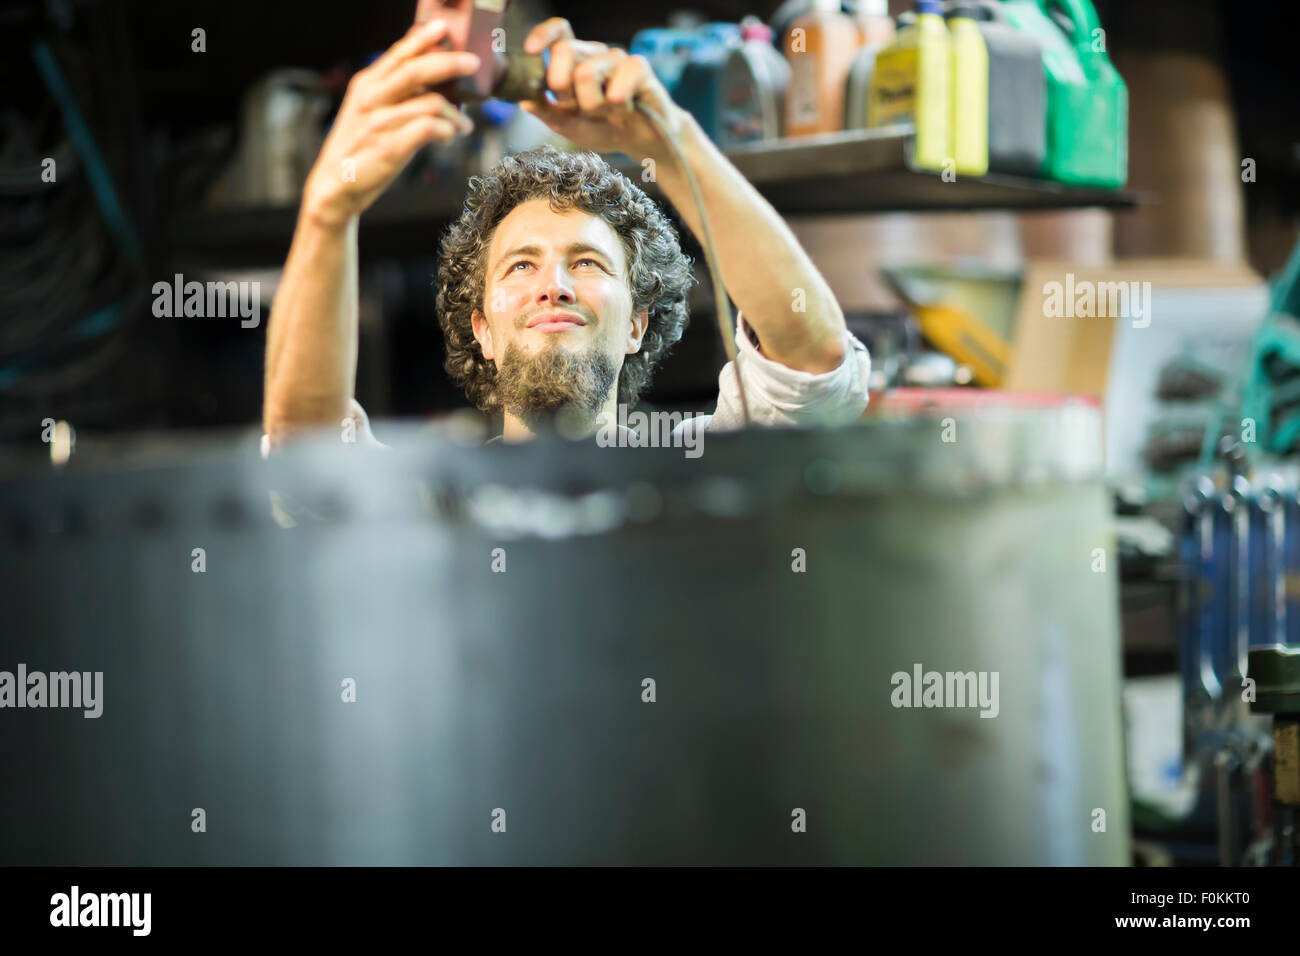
[{"x": 593, "y": 87}]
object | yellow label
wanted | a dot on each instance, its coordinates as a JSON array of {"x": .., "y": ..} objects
[{"x": 892, "y": 98}]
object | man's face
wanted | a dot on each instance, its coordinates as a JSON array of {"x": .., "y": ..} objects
[{"x": 559, "y": 310}]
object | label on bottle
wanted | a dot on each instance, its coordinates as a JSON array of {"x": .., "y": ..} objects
[
  {"x": 741, "y": 118},
  {"x": 803, "y": 89},
  {"x": 893, "y": 88}
]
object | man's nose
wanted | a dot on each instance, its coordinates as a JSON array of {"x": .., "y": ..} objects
[{"x": 556, "y": 287}]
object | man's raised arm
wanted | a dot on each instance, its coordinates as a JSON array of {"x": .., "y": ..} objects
[
  {"x": 386, "y": 115},
  {"x": 764, "y": 269}
]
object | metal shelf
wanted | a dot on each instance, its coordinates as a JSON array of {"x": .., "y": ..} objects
[
  {"x": 859, "y": 171},
  {"x": 872, "y": 171}
]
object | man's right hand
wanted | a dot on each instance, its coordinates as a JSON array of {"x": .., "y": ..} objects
[{"x": 386, "y": 116}]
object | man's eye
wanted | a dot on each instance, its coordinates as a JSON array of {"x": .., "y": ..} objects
[{"x": 524, "y": 262}]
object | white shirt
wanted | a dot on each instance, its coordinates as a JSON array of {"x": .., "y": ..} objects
[
  {"x": 779, "y": 395},
  {"x": 776, "y": 394}
]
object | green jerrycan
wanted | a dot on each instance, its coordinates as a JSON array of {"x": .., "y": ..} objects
[{"x": 1087, "y": 101}]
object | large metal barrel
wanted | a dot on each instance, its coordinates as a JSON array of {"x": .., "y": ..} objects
[{"x": 500, "y": 613}]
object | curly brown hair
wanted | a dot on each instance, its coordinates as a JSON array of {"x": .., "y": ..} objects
[{"x": 660, "y": 274}]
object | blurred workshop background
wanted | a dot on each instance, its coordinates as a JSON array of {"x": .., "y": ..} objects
[{"x": 946, "y": 165}]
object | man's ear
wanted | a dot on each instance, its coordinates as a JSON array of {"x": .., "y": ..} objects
[
  {"x": 640, "y": 322},
  {"x": 483, "y": 334}
]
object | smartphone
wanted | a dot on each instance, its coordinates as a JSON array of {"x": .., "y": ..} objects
[{"x": 475, "y": 26}]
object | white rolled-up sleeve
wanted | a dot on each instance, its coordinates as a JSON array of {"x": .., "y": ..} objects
[
  {"x": 360, "y": 433},
  {"x": 779, "y": 395}
]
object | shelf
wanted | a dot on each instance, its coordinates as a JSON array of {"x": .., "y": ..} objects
[
  {"x": 859, "y": 171},
  {"x": 403, "y": 221},
  {"x": 871, "y": 171}
]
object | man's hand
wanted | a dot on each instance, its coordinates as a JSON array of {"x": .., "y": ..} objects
[
  {"x": 764, "y": 269},
  {"x": 385, "y": 117},
  {"x": 594, "y": 86}
]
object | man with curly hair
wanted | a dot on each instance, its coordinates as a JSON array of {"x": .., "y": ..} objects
[
  {"x": 562, "y": 284},
  {"x": 623, "y": 258}
]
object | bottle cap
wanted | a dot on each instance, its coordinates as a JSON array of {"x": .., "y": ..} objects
[
  {"x": 752, "y": 28},
  {"x": 497, "y": 112},
  {"x": 929, "y": 6}
]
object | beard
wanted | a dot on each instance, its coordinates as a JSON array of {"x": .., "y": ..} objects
[{"x": 554, "y": 386}]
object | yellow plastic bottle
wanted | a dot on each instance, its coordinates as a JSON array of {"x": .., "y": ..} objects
[
  {"x": 912, "y": 83},
  {"x": 891, "y": 96},
  {"x": 970, "y": 92}
]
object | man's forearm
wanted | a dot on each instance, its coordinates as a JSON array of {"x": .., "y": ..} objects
[
  {"x": 765, "y": 270},
  {"x": 311, "y": 352}
]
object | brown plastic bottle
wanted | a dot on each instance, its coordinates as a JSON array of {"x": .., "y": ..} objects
[
  {"x": 875, "y": 28},
  {"x": 820, "y": 47}
]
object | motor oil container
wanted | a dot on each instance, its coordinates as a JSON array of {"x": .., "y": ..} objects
[
  {"x": 1087, "y": 101},
  {"x": 754, "y": 80},
  {"x": 820, "y": 47},
  {"x": 970, "y": 91},
  {"x": 1017, "y": 95},
  {"x": 912, "y": 83}
]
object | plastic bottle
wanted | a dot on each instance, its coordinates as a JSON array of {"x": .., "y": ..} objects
[
  {"x": 876, "y": 31},
  {"x": 754, "y": 81},
  {"x": 698, "y": 88},
  {"x": 875, "y": 28},
  {"x": 891, "y": 95},
  {"x": 820, "y": 47},
  {"x": 1017, "y": 95},
  {"x": 668, "y": 50},
  {"x": 970, "y": 91},
  {"x": 1087, "y": 101},
  {"x": 912, "y": 83}
]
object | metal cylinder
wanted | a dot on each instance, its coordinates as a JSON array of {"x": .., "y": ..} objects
[{"x": 499, "y": 614}]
